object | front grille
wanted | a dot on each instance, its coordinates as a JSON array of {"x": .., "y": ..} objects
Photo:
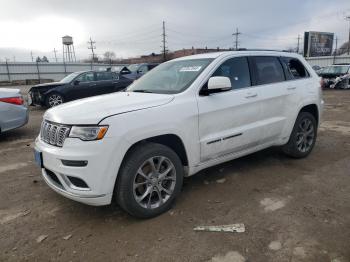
[{"x": 54, "y": 134}]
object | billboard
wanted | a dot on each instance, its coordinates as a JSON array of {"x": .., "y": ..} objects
[{"x": 318, "y": 44}]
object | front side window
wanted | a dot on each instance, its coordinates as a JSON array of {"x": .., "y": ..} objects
[
  {"x": 294, "y": 68},
  {"x": 86, "y": 77},
  {"x": 268, "y": 69},
  {"x": 170, "y": 78},
  {"x": 237, "y": 70}
]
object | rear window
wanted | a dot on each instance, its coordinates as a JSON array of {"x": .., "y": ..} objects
[
  {"x": 268, "y": 69},
  {"x": 294, "y": 68}
]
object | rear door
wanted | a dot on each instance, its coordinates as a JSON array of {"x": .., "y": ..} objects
[
  {"x": 229, "y": 121},
  {"x": 269, "y": 78},
  {"x": 104, "y": 83}
]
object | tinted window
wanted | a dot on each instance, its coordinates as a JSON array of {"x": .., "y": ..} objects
[
  {"x": 100, "y": 76},
  {"x": 268, "y": 70},
  {"x": 86, "y": 77},
  {"x": 237, "y": 70},
  {"x": 294, "y": 68}
]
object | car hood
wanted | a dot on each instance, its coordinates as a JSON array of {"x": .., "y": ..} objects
[
  {"x": 92, "y": 110},
  {"x": 46, "y": 86}
]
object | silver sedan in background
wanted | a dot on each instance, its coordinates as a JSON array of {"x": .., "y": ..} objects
[{"x": 13, "y": 112}]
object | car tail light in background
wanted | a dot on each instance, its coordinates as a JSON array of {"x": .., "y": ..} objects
[{"x": 13, "y": 100}]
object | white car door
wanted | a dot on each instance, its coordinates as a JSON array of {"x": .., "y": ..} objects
[
  {"x": 229, "y": 121},
  {"x": 275, "y": 93}
]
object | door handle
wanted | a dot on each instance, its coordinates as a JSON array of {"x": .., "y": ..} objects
[
  {"x": 291, "y": 88},
  {"x": 251, "y": 95},
  {"x": 93, "y": 84}
]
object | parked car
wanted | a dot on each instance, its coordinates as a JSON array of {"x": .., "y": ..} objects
[
  {"x": 335, "y": 76},
  {"x": 77, "y": 85},
  {"x": 13, "y": 112},
  {"x": 138, "y": 70},
  {"x": 184, "y": 116}
]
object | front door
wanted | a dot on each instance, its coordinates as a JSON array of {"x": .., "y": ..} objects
[
  {"x": 83, "y": 86},
  {"x": 229, "y": 121}
]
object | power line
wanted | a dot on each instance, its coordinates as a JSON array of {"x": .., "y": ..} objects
[{"x": 236, "y": 38}]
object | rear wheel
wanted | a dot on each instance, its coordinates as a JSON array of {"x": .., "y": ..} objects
[
  {"x": 149, "y": 180},
  {"x": 303, "y": 137},
  {"x": 54, "y": 99}
]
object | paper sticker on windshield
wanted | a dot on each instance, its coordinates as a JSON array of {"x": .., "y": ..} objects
[{"x": 190, "y": 69}]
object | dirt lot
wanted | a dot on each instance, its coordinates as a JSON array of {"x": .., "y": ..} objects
[{"x": 293, "y": 210}]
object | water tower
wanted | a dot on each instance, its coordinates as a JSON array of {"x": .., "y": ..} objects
[{"x": 68, "y": 49}]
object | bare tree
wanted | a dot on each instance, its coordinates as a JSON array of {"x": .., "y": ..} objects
[{"x": 109, "y": 56}]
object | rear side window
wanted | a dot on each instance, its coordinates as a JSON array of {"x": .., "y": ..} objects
[
  {"x": 294, "y": 68},
  {"x": 237, "y": 70},
  {"x": 268, "y": 69},
  {"x": 101, "y": 76}
]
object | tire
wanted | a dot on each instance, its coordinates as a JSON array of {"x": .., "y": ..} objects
[
  {"x": 303, "y": 136},
  {"x": 54, "y": 99},
  {"x": 141, "y": 186}
]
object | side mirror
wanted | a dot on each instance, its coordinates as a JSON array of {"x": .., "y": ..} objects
[
  {"x": 219, "y": 83},
  {"x": 76, "y": 82}
]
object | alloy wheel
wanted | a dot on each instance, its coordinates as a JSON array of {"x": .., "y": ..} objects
[
  {"x": 55, "y": 100},
  {"x": 305, "y": 135},
  {"x": 154, "y": 182}
]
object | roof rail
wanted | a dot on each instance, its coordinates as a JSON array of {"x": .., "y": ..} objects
[{"x": 249, "y": 49}]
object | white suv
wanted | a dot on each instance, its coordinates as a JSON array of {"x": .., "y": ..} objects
[{"x": 185, "y": 115}]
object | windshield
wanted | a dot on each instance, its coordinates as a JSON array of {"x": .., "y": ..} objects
[
  {"x": 335, "y": 70},
  {"x": 171, "y": 77},
  {"x": 69, "y": 78},
  {"x": 133, "y": 68}
]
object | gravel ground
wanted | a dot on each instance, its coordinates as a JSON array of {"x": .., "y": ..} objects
[{"x": 293, "y": 210}]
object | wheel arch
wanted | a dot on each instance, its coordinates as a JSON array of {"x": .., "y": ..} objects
[
  {"x": 172, "y": 141},
  {"x": 312, "y": 109}
]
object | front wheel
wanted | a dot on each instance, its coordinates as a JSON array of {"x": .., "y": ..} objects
[
  {"x": 149, "y": 180},
  {"x": 54, "y": 99},
  {"x": 303, "y": 136}
]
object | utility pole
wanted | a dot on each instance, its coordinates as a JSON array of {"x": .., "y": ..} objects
[
  {"x": 348, "y": 19},
  {"x": 164, "y": 48},
  {"x": 92, "y": 47},
  {"x": 31, "y": 55},
  {"x": 298, "y": 44},
  {"x": 55, "y": 51},
  {"x": 236, "y": 38},
  {"x": 335, "y": 50}
]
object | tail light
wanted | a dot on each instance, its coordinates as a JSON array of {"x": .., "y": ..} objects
[{"x": 13, "y": 100}]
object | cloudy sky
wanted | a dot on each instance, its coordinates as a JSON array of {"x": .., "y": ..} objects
[{"x": 131, "y": 28}]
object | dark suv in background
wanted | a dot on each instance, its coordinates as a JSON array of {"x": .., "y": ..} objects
[
  {"x": 77, "y": 85},
  {"x": 335, "y": 76}
]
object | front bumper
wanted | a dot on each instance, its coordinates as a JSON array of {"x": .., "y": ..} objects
[
  {"x": 35, "y": 98},
  {"x": 98, "y": 176}
]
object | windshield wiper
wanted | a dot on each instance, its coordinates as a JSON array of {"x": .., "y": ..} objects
[{"x": 142, "y": 91}]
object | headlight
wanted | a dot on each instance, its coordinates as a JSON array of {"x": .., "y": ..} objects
[{"x": 88, "y": 133}]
